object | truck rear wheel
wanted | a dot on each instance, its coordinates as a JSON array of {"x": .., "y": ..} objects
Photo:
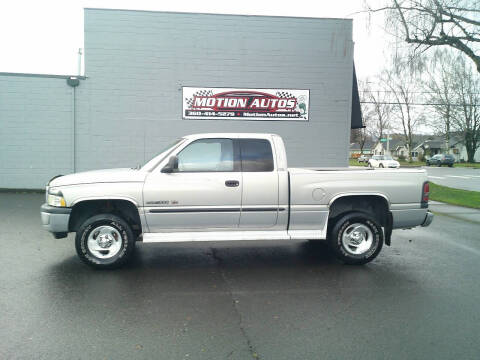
[
  {"x": 104, "y": 241},
  {"x": 356, "y": 238}
]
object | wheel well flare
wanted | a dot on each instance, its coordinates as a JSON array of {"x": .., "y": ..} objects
[
  {"x": 375, "y": 205},
  {"x": 125, "y": 209}
]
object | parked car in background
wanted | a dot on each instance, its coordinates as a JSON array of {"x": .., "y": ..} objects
[
  {"x": 363, "y": 158},
  {"x": 383, "y": 161},
  {"x": 441, "y": 159}
]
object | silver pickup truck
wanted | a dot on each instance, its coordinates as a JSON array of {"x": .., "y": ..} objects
[{"x": 216, "y": 187}]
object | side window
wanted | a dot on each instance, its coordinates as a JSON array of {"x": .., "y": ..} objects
[
  {"x": 206, "y": 155},
  {"x": 256, "y": 155}
]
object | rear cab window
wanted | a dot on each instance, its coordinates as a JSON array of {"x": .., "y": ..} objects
[{"x": 256, "y": 155}]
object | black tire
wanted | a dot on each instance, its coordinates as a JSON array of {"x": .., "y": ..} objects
[
  {"x": 126, "y": 237},
  {"x": 380, "y": 166},
  {"x": 344, "y": 254},
  {"x": 450, "y": 165}
]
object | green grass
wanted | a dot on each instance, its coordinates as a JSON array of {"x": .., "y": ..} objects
[
  {"x": 413, "y": 163},
  {"x": 452, "y": 196},
  {"x": 468, "y": 165},
  {"x": 354, "y": 162}
]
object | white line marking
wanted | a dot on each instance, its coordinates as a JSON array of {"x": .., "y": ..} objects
[
  {"x": 436, "y": 177},
  {"x": 460, "y": 177}
]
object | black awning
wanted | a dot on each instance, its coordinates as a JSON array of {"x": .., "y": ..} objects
[{"x": 356, "y": 121}]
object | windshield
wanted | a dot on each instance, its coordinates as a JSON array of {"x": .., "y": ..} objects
[
  {"x": 162, "y": 154},
  {"x": 388, "y": 157}
]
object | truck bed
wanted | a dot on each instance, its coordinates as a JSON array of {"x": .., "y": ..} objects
[{"x": 316, "y": 188}]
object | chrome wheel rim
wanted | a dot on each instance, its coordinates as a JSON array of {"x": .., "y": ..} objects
[
  {"x": 104, "y": 242},
  {"x": 357, "y": 239}
]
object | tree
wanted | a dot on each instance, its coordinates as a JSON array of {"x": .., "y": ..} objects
[
  {"x": 454, "y": 88},
  {"x": 466, "y": 85},
  {"x": 376, "y": 109},
  {"x": 439, "y": 85},
  {"x": 430, "y": 23},
  {"x": 361, "y": 136},
  {"x": 403, "y": 84}
]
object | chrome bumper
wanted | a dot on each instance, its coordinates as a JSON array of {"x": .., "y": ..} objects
[
  {"x": 428, "y": 219},
  {"x": 55, "y": 219}
]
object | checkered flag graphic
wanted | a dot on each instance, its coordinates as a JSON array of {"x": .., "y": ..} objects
[
  {"x": 284, "y": 95},
  {"x": 189, "y": 101}
]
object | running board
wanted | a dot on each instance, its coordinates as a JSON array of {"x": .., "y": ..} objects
[{"x": 167, "y": 237}]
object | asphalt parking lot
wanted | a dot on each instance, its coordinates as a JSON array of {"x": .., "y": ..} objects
[
  {"x": 459, "y": 178},
  {"x": 245, "y": 300}
]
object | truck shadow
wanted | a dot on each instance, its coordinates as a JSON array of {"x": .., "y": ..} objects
[
  {"x": 189, "y": 272},
  {"x": 212, "y": 255},
  {"x": 180, "y": 264}
]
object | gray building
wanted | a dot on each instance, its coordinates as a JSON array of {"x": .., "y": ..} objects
[{"x": 137, "y": 64}]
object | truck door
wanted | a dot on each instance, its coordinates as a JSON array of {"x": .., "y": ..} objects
[
  {"x": 203, "y": 193},
  {"x": 260, "y": 185}
]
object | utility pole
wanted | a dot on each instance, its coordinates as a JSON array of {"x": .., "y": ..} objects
[{"x": 388, "y": 144}]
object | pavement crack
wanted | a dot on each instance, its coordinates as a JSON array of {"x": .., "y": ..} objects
[{"x": 235, "y": 302}]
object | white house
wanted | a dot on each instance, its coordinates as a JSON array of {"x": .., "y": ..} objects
[{"x": 437, "y": 145}]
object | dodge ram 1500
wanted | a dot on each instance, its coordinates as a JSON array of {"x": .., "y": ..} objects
[{"x": 215, "y": 187}]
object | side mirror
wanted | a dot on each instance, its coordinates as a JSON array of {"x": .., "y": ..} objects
[{"x": 171, "y": 166}]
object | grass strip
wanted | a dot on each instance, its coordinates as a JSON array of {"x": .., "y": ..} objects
[
  {"x": 453, "y": 196},
  {"x": 468, "y": 165}
]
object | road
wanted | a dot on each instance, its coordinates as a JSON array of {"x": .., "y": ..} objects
[
  {"x": 244, "y": 300},
  {"x": 460, "y": 178}
]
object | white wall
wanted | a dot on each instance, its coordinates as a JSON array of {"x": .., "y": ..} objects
[
  {"x": 35, "y": 130},
  {"x": 137, "y": 62},
  {"x": 130, "y": 105}
]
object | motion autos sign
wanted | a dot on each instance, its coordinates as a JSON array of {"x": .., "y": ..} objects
[{"x": 245, "y": 104}]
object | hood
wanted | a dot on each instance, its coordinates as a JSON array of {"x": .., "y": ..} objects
[{"x": 100, "y": 176}]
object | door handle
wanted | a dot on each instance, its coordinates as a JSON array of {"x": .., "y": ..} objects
[{"x": 232, "y": 183}]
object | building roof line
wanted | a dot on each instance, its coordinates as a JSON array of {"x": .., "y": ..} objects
[
  {"x": 205, "y": 13},
  {"x": 42, "y": 75}
]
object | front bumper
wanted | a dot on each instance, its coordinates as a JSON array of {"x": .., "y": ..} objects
[
  {"x": 55, "y": 219},
  {"x": 428, "y": 219}
]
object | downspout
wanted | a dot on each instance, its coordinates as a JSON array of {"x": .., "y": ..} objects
[{"x": 73, "y": 82}]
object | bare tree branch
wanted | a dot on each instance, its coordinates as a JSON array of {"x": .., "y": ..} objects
[{"x": 431, "y": 23}]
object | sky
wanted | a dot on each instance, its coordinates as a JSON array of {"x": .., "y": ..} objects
[{"x": 43, "y": 37}]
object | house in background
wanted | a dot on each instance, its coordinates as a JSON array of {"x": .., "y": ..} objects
[
  {"x": 430, "y": 147},
  {"x": 397, "y": 148},
  {"x": 437, "y": 145},
  {"x": 459, "y": 150},
  {"x": 367, "y": 148}
]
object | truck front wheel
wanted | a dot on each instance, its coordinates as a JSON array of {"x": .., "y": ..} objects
[
  {"x": 356, "y": 238},
  {"x": 104, "y": 241}
]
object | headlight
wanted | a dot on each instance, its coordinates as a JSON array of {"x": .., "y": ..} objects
[{"x": 55, "y": 198}]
